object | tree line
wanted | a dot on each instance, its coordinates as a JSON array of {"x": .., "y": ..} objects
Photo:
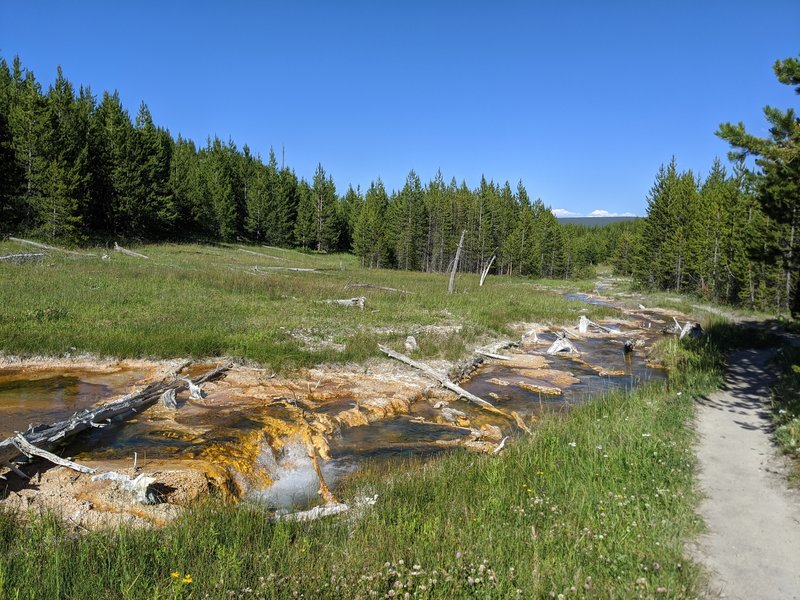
[
  {"x": 83, "y": 171},
  {"x": 731, "y": 237}
]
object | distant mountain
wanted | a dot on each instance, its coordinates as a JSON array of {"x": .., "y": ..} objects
[{"x": 594, "y": 221}]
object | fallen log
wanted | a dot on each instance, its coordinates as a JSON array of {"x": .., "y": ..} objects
[
  {"x": 492, "y": 355},
  {"x": 263, "y": 255},
  {"x": 46, "y": 247},
  {"x": 360, "y": 302},
  {"x": 22, "y": 257},
  {"x": 127, "y": 252},
  {"x": 445, "y": 382},
  {"x": 30, "y": 450},
  {"x": 295, "y": 269},
  {"x": 47, "y": 437},
  {"x": 375, "y": 287}
]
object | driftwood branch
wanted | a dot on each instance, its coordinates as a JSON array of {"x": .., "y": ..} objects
[
  {"x": 452, "y": 284},
  {"x": 46, "y": 437},
  {"x": 30, "y": 450},
  {"x": 127, "y": 252},
  {"x": 46, "y": 247},
  {"x": 445, "y": 382}
]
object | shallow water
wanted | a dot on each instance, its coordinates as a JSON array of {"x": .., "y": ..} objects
[
  {"x": 588, "y": 299},
  {"x": 604, "y": 353},
  {"x": 47, "y": 396}
]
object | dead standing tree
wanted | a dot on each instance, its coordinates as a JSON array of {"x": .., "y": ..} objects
[{"x": 452, "y": 285}]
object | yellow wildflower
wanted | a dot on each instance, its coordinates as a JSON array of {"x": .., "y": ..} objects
[
  {"x": 175, "y": 574},
  {"x": 186, "y": 579}
]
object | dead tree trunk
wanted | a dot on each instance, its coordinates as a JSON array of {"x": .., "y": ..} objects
[
  {"x": 127, "y": 252},
  {"x": 445, "y": 382},
  {"x": 46, "y": 437},
  {"x": 486, "y": 270},
  {"x": 452, "y": 285}
]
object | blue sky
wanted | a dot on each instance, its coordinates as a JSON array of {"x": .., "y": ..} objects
[{"x": 581, "y": 101}]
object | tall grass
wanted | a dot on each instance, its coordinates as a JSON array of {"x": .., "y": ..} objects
[
  {"x": 597, "y": 503},
  {"x": 206, "y": 301}
]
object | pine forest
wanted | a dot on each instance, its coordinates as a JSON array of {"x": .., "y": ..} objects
[{"x": 83, "y": 172}]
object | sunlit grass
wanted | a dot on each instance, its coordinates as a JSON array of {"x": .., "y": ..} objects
[{"x": 206, "y": 301}]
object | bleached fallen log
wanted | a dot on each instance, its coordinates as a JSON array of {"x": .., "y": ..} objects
[
  {"x": 22, "y": 257},
  {"x": 127, "y": 252},
  {"x": 452, "y": 284},
  {"x": 295, "y": 269},
  {"x": 47, "y": 437},
  {"x": 492, "y": 355},
  {"x": 486, "y": 270},
  {"x": 375, "y": 287},
  {"x": 280, "y": 258},
  {"x": 360, "y": 302},
  {"x": 445, "y": 382},
  {"x": 328, "y": 510},
  {"x": 30, "y": 450},
  {"x": 47, "y": 247},
  {"x": 562, "y": 344}
]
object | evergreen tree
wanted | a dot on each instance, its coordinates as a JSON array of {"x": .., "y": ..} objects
[
  {"x": 326, "y": 233},
  {"x": 64, "y": 188},
  {"x": 305, "y": 228},
  {"x": 778, "y": 184},
  {"x": 11, "y": 171},
  {"x": 369, "y": 234}
]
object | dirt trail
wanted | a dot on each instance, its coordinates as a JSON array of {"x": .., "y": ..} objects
[{"x": 752, "y": 548}]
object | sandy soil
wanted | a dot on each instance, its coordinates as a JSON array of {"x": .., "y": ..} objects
[{"x": 752, "y": 547}]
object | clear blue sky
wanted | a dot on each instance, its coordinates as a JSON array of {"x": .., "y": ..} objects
[{"x": 582, "y": 102}]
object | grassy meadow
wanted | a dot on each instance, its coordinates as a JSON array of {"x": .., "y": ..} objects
[
  {"x": 207, "y": 301},
  {"x": 598, "y": 503}
]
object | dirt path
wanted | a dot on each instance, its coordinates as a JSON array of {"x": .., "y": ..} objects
[{"x": 752, "y": 548}]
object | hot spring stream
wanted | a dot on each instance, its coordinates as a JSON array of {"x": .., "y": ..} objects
[{"x": 248, "y": 429}]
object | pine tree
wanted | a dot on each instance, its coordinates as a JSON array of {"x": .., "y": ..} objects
[
  {"x": 11, "y": 171},
  {"x": 778, "y": 184},
  {"x": 369, "y": 234},
  {"x": 305, "y": 228},
  {"x": 64, "y": 189},
  {"x": 407, "y": 220},
  {"x": 326, "y": 233}
]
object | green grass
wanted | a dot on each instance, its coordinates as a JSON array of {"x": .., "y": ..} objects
[
  {"x": 598, "y": 503},
  {"x": 207, "y": 301},
  {"x": 786, "y": 401}
]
